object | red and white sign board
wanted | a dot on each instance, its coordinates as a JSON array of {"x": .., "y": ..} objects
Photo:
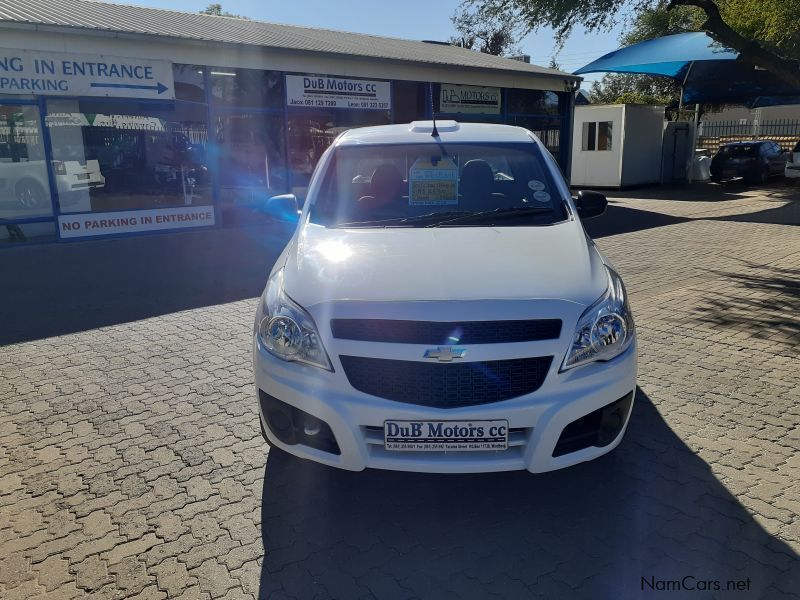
[{"x": 132, "y": 221}]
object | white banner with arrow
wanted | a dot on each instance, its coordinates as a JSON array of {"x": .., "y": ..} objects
[{"x": 59, "y": 74}]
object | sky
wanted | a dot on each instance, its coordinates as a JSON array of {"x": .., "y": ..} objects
[{"x": 411, "y": 19}]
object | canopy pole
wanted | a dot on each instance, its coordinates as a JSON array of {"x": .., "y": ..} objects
[
  {"x": 694, "y": 140},
  {"x": 694, "y": 129},
  {"x": 683, "y": 84}
]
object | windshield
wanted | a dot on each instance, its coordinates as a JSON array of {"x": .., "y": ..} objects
[
  {"x": 423, "y": 185},
  {"x": 740, "y": 150}
]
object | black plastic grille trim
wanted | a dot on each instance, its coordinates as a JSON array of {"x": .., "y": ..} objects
[
  {"x": 446, "y": 385},
  {"x": 437, "y": 332}
]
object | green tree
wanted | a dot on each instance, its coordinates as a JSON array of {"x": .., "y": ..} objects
[
  {"x": 766, "y": 33},
  {"x": 650, "y": 22},
  {"x": 628, "y": 88},
  {"x": 216, "y": 10},
  {"x": 476, "y": 30}
]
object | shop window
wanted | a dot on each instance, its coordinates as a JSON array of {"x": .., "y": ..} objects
[
  {"x": 24, "y": 187},
  {"x": 596, "y": 136},
  {"x": 252, "y": 157},
  {"x": 247, "y": 88},
  {"x": 128, "y": 155},
  {"x": 13, "y": 233},
  {"x": 311, "y": 132},
  {"x": 410, "y": 100},
  {"x": 547, "y": 129},
  {"x": 536, "y": 102},
  {"x": 189, "y": 82}
]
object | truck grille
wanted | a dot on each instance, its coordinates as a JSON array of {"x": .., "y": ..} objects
[
  {"x": 436, "y": 332},
  {"x": 446, "y": 385}
]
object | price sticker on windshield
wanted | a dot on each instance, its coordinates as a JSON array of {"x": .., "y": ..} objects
[{"x": 433, "y": 182}]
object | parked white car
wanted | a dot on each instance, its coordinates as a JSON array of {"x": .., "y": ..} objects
[
  {"x": 445, "y": 312},
  {"x": 72, "y": 175},
  {"x": 26, "y": 181},
  {"x": 793, "y": 163}
]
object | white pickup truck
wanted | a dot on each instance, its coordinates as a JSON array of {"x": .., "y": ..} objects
[
  {"x": 443, "y": 310},
  {"x": 24, "y": 187}
]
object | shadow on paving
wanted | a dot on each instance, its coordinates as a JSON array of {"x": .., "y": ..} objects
[
  {"x": 56, "y": 289},
  {"x": 706, "y": 191},
  {"x": 783, "y": 214},
  {"x": 772, "y": 310},
  {"x": 652, "y": 509},
  {"x": 623, "y": 219}
]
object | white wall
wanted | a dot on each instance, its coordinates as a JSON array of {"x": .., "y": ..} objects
[
  {"x": 734, "y": 113},
  {"x": 641, "y": 152},
  {"x": 600, "y": 168}
]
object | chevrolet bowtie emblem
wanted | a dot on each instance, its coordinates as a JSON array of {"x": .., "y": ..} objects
[{"x": 445, "y": 354}]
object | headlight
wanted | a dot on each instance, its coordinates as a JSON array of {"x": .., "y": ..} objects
[
  {"x": 605, "y": 329},
  {"x": 286, "y": 330}
]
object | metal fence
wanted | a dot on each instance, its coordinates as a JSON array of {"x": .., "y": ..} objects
[{"x": 714, "y": 134}]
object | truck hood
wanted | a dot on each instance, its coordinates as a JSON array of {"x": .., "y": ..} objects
[{"x": 457, "y": 263}]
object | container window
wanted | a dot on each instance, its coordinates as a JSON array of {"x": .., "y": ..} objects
[
  {"x": 588, "y": 136},
  {"x": 604, "y": 135},
  {"x": 596, "y": 135}
]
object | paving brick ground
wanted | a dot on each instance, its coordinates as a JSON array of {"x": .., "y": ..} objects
[{"x": 131, "y": 465}]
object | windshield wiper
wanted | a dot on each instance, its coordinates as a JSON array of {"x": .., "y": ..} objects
[
  {"x": 491, "y": 215},
  {"x": 405, "y": 221}
]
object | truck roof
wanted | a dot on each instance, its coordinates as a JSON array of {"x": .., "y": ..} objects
[{"x": 419, "y": 132}]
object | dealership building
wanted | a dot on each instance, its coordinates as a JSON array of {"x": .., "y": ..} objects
[{"x": 120, "y": 120}]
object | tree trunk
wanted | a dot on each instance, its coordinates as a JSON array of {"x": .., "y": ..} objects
[{"x": 750, "y": 51}]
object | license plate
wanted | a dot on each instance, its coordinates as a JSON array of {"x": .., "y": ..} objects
[
  {"x": 83, "y": 176},
  {"x": 445, "y": 435}
]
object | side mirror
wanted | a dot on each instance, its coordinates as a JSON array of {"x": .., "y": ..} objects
[
  {"x": 590, "y": 204},
  {"x": 283, "y": 208}
]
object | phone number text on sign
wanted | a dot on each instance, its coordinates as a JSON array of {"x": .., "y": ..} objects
[
  {"x": 434, "y": 192},
  {"x": 319, "y": 91},
  {"x": 433, "y": 180}
]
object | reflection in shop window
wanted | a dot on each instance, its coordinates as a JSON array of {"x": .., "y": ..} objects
[
  {"x": 24, "y": 187},
  {"x": 532, "y": 101},
  {"x": 547, "y": 129},
  {"x": 247, "y": 87},
  {"x": 252, "y": 157},
  {"x": 118, "y": 156},
  {"x": 189, "y": 82},
  {"x": 20, "y": 233},
  {"x": 311, "y": 132},
  {"x": 410, "y": 101}
]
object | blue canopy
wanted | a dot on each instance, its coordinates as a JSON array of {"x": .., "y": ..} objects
[
  {"x": 668, "y": 56},
  {"x": 707, "y": 71}
]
